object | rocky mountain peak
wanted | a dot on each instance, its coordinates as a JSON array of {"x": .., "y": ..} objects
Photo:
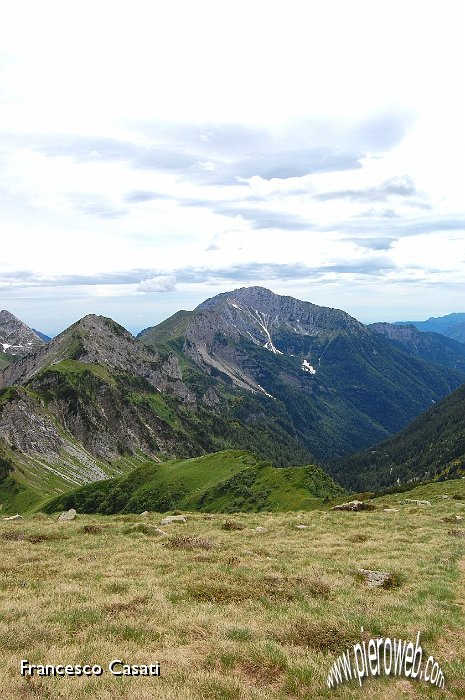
[
  {"x": 96, "y": 340},
  {"x": 257, "y": 314},
  {"x": 282, "y": 309},
  {"x": 16, "y": 338}
]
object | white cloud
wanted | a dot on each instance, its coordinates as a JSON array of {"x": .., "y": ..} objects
[{"x": 162, "y": 283}]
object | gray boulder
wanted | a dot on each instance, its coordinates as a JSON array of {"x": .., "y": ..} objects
[
  {"x": 173, "y": 519},
  {"x": 68, "y": 515},
  {"x": 377, "y": 579}
]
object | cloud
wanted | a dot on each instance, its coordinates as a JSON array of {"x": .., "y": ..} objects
[
  {"x": 137, "y": 196},
  {"x": 394, "y": 186},
  {"x": 162, "y": 283},
  {"x": 153, "y": 281},
  {"x": 257, "y": 272},
  {"x": 399, "y": 227},
  {"x": 28, "y": 278},
  {"x": 227, "y": 154},
  {"x": 373, "y": 243},
  {"x": 264, "y": 218},
  {"x": 95, "y": 205},
  {"x": 297, "y": 163},
  {"x": 378, "y": 213}
]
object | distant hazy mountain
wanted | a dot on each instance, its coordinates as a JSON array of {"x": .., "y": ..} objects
[
  {"x": 289, "y": 367},
  {"x": 44, "y": 337},
  {"x": 431, "y": 447},
  {"x": 433, "y": 347},
  {"x": 452, "y": 325}
]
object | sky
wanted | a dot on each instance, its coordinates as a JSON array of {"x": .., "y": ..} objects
[{"x": 155, "y": 154}]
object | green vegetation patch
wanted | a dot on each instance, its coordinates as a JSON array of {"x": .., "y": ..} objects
[{"x": 227, "y": 481}]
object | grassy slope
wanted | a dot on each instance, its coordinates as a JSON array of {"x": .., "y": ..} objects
[
  {"x": 31, "y": 482},
  {"x": 5, "y": 360},
  {"x": 257, "y": 616},
  {"x": 226, "y": 481},
  {"x": 170, "y": 329}
]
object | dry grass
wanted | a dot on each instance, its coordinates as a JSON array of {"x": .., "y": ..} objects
[
  {"x": 259, "y": 616},
  {"x": 233, "y": 525},
  {"x": 184, "y": 542}
]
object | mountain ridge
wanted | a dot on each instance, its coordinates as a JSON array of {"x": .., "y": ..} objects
[
  {"x": 451, "y": 325},
  {"x": 430, "y": 346}
]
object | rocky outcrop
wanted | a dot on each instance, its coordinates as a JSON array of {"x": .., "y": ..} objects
[
  {"x": 173, "y": 519},
  {"x": 67, "y": 515},
  {"x": 354, "y": 506},
  {"x": 377, "y": 579}
]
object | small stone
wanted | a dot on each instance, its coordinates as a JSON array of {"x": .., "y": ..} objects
[
  {"x": 443, "y": 496},
  {"x": 376, "y": 579},
  {"x": 14, "y": 517},
  {"x": 259, "y": 529},
  {"x": 144, "y": 514},
  {"x": 173, "y": 519},
  {"x": 68, "y": 515},
  {"x": 301, "y": 527}
]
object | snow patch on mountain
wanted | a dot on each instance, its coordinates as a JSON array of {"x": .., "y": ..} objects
[{"x": 307, "y": 367}]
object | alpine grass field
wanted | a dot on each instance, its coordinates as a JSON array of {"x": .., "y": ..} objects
[{"x": 228, "y": 610}]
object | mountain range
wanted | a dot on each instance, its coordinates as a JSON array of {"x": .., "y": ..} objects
[
  {"x": 293, "y": 382},
  {"x": 325, "y": 378},
  {"x": 431, "y": 346},
  {"x": 451, "y": 325}
]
